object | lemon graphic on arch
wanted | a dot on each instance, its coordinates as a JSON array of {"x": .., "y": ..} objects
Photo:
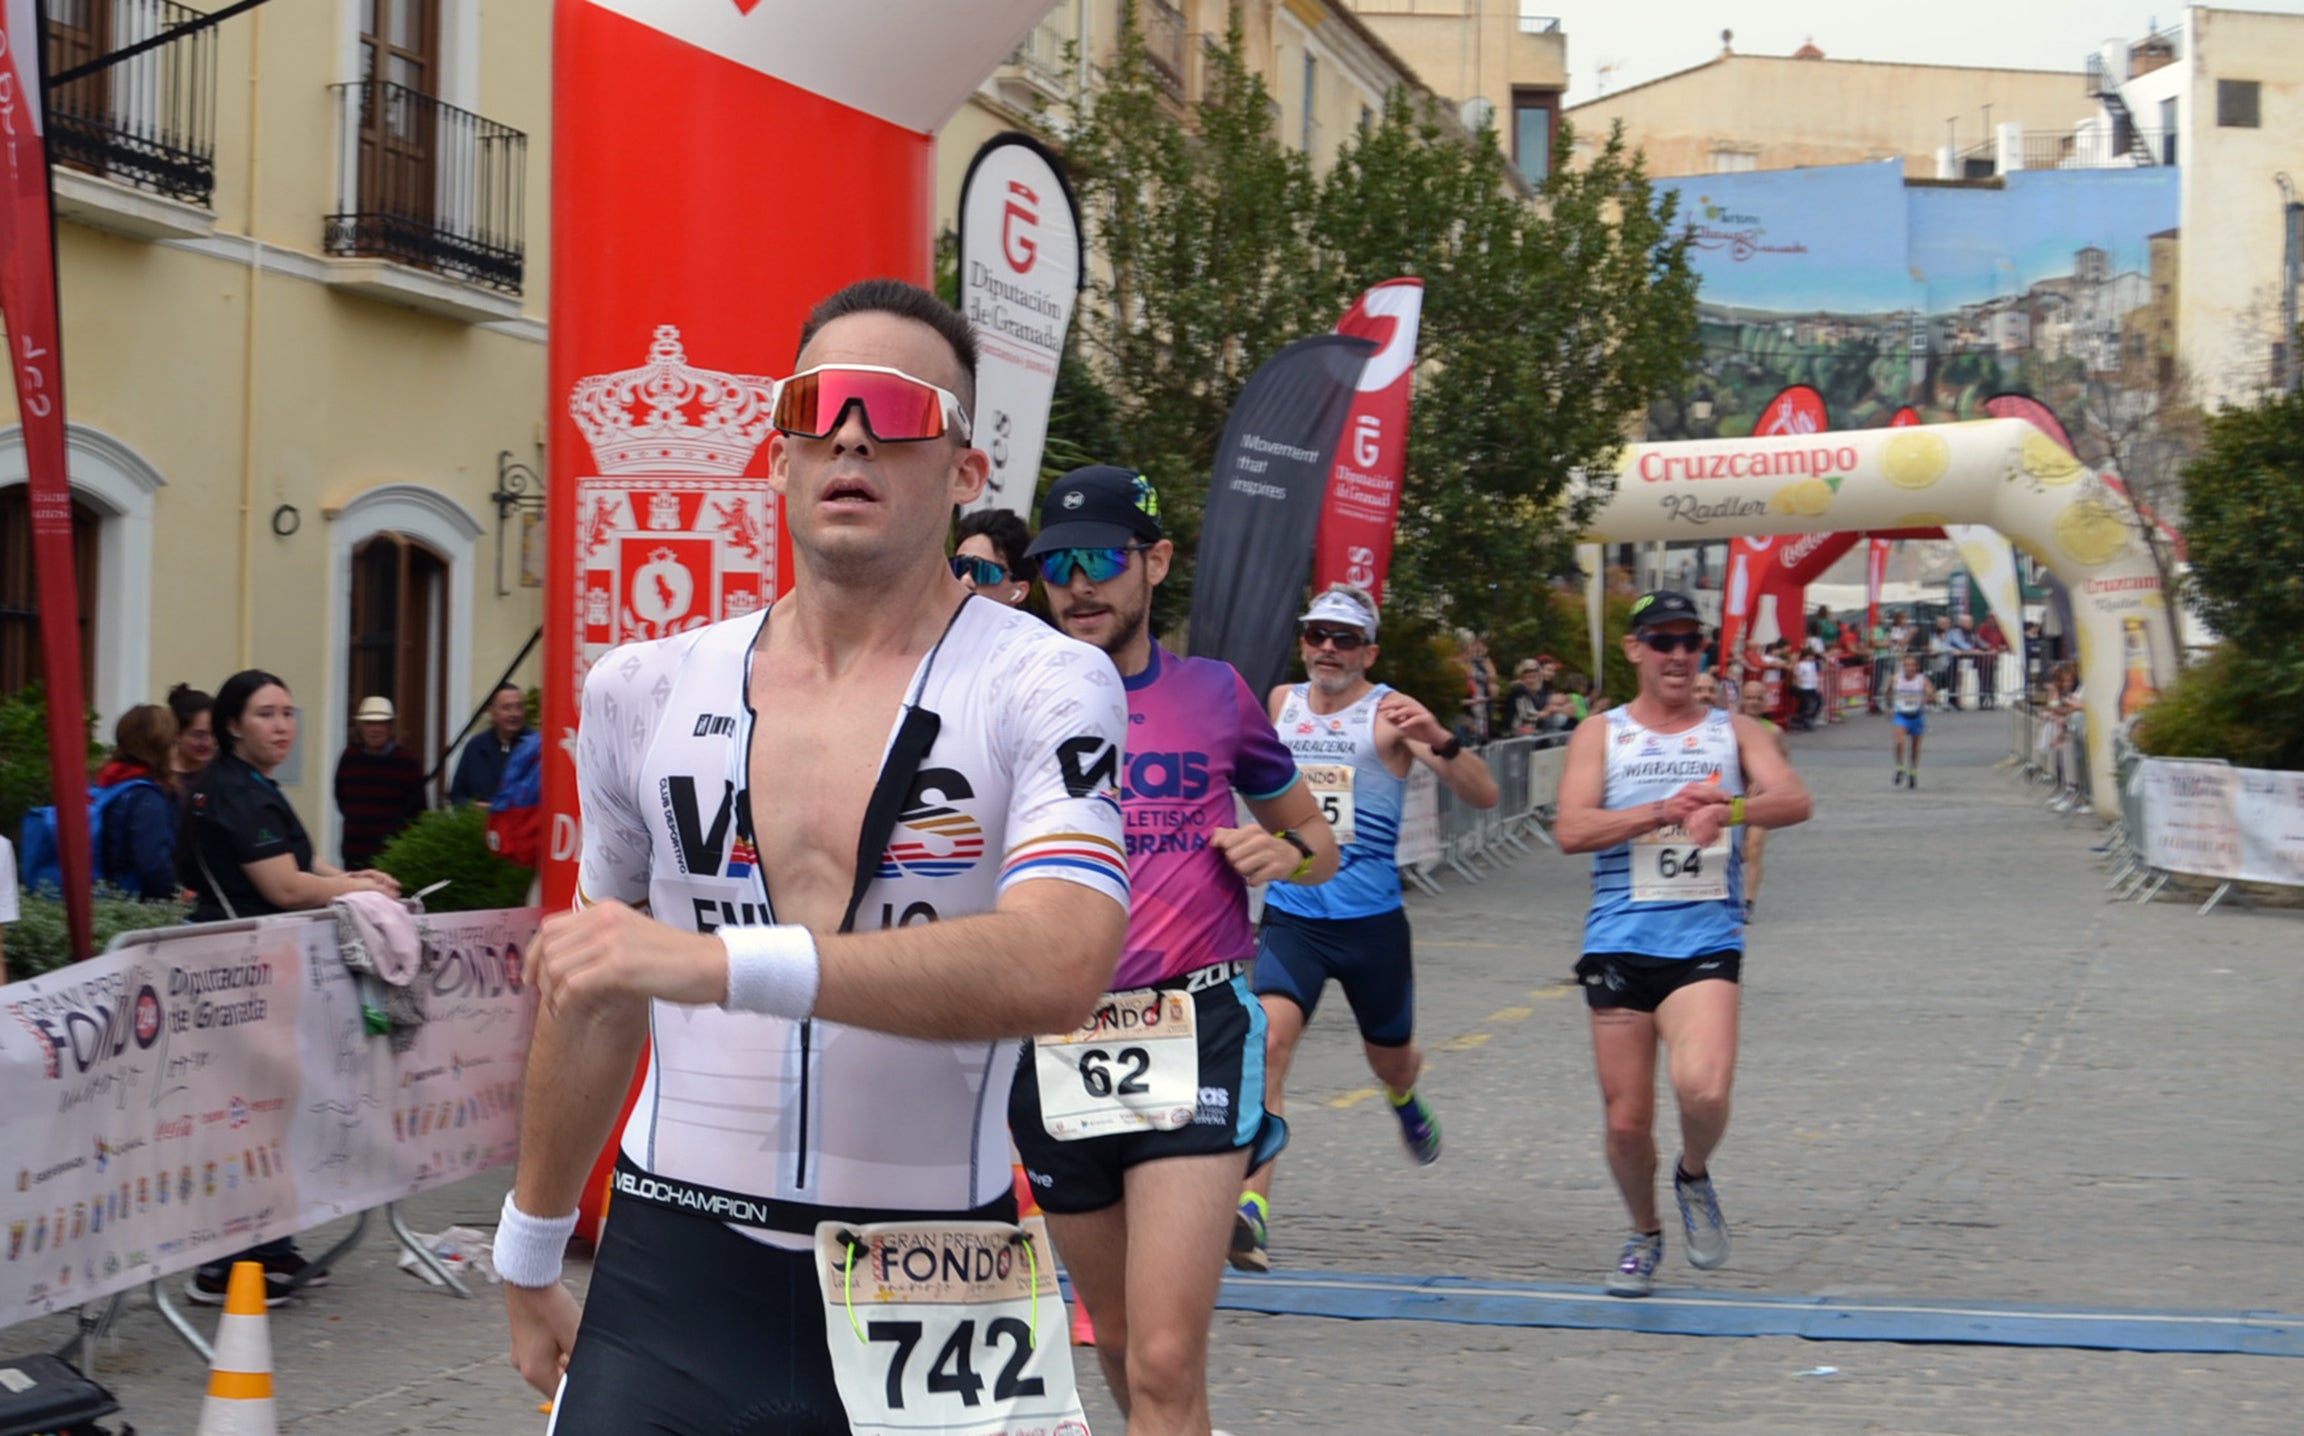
[
  {"x": 2046, "y": 460},
  {"x": 2090, "y": 533},
  {"x": 1914, "y": 461},
  {"x": 1805, "y": 497}
]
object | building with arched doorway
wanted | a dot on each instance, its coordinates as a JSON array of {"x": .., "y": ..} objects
[{"x": 302, "y": 283}]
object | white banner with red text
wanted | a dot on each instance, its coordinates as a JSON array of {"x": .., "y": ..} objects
[
  {"x": 200, "y": 1090},
  {"x": 1020, "y": 274},
  {"x": 2216, "y": 821}
]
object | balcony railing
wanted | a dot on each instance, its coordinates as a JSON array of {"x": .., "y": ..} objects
[
  {"x": 1042, "y": 53},
  {"x": 428, "y": 185},
  {"x": 2088, "y": 148},
  {"x": 148, "y": 121},
  {"x": 1164, "y": 44},
  {"x": 1534, "y": 24}
]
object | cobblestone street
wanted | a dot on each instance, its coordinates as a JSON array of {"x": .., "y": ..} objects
[{"x": 1966, "y": 1078}]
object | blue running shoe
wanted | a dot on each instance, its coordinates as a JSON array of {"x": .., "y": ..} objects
[
  {"x": 1700, "y": 1214},
  {"x": 1635, "y": 1273},
  {"x": 1419, "y": 1128},
  {"x": 1248, "y": 1235}
]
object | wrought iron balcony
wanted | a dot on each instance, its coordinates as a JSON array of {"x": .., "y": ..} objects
[
  {"x": 1164, "y": 44},
  {"x": 428, "y": 185},
  {"x": 148, "y": 121}
]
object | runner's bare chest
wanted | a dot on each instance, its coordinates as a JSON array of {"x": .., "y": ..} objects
[{"x": 817, "y": 747}]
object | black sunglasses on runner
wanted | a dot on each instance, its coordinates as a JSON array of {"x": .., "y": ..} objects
[
  {"x": 1666, "y": 642},
  {"x": 982, "y": 572},
  {"x": 1343, "y": 640}
]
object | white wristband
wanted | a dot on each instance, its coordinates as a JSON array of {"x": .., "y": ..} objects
[
  {"x": 529, "y": 1250},
  {"x": 772, "y": 970}
]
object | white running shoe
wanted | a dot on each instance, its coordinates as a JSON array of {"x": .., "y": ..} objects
[
  {"x": 1700, "y": 1214},
  {"x": 1635, "y": 1273}
]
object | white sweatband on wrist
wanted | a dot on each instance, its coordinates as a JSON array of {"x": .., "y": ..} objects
[
  {"x": 529, "y": 1250},
  {"x": 772, "y": 970}
]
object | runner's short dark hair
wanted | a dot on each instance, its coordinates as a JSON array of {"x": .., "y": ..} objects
[
  {"x": 905, "y": 301},
  {"x": 1006, "y": 533}
]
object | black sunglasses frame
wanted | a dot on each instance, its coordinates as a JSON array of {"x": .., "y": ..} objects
[
  {"x": 1343, "y": 640},
  {"x": 1667, "y": 642}
]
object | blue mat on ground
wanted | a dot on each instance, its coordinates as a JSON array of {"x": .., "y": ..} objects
[{"x": 1357, "y": 1296}]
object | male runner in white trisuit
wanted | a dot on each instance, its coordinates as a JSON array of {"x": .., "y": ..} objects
[
  {"x": 1136, "y": 1145},
  {"x": 1659, "y": 792},
  {"x": 878, "y": 752},
  {"x": 1910, "y": 694},
  {"x": 1358, "y": 740}
]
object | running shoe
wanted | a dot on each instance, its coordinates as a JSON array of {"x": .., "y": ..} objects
[
  {"x": 1912, "y": 780},
  {"x": 1700, "y": 1214},
  {"x": 1635, "y": 1273},
  {"x": 1248, "y": 1235},
  {"x": 1419, "y": 1128},
  {"x": 1898, "y": 780}
]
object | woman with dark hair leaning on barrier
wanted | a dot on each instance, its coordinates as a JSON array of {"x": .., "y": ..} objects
[{"x": 244, "y": 853}]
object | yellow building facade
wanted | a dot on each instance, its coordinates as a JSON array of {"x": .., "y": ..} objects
[
  {"x": 1770, "y": 112},
  {"x": 302, "y": 279}
]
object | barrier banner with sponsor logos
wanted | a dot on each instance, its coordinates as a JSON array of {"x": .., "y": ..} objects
[
  {"x": 2215, "y": 821},
  {"x": 1363, "y": 506},
  {"x": 1021, "y": 267},
  {"x": 1419, "y": 819},
  {"x": 201, "y": 1090},
  {"x": 2268, "y": 808},
  {"x": 2189, "y": 824}
]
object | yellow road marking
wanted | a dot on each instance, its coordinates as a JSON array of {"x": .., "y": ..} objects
[
  {"x": 1466, "y": 1042},
  {"x": 1511, "y": 1014},
  {"x": 1352, "y": 1099}
]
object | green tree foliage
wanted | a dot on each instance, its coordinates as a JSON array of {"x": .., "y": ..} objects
[
  {"x": 451, "y": 845},
  {"x": 39, "y": 941},
  {"x": 1550, "y": 321},
  {"x": 25, "y": 773},
  {"x": 2242, "y": 496}
]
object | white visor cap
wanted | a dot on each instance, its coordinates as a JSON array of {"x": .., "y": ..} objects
[{"x": 1335, "y": 607}]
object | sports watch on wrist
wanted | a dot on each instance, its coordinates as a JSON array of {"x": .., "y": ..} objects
[{"x": 1294, "y": 840}]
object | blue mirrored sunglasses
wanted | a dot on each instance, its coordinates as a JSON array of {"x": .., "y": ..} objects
[
  {"x": 982, "y": 572},
  {"x": 1102, "y": 565}
]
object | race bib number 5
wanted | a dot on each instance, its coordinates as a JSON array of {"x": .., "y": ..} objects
[
  {"x": 1134, "y": 1066},
  {"x": 1331, "y": 785},
  {"x": 1668, "y": 867},
  {"x": 951, "y": 1327}
]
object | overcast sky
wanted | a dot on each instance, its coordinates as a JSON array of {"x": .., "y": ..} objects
[{"x": 1647, "y": 38}]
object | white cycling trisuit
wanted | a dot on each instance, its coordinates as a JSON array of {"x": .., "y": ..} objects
[{"x": 1019, "y": 785}]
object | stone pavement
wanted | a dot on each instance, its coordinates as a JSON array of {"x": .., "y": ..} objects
[{"x": 1965, "y": 1077}]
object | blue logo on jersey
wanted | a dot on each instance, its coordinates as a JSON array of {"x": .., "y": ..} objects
[{"x": 1166, "y": 775}]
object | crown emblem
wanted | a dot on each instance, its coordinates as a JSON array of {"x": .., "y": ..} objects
[{"x": 668, "y": 418}]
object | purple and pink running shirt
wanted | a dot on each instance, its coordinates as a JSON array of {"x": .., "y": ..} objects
[{"x": 1195, "y": 734}]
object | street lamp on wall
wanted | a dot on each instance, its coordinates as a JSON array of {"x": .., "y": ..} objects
[{"x": 520, "y": 489}]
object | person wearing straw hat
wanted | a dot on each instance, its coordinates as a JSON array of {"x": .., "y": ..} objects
[{"x": 379, "y": 785}]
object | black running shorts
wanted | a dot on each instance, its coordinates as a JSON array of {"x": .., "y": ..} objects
[
  {"x": 1088, "y": 1174},
  {"x": 1368, "y": 957},
  {"x": 694, "y": 1328},
  {"x": 1624, "y": 979}
]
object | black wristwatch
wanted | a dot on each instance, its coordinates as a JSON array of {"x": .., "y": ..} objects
[
  {"x": 1294, "y": 840},
  {"x": 1449, "y": 749}
]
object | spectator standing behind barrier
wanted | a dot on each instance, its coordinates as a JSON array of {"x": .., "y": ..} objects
[
  {"x": 244, "y": 853},
  {"x": 1480, "y": 687},
  {"x": 1990, "y": 644},
  {"x": 989, "y": 557},
  {"x": 482, "y": 767},
  {"x": 1807, "y": 672},
  {"x": 139, "y": 854},
  {"x": 1529, "y": 698},
  {"x": 379, "y": 785},
  {"x": 195, "y": 738},
  {"x": 1960, "y": 641}
]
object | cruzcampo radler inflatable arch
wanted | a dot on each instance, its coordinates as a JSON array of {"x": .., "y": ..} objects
[{"x": 2001, "y": 472}]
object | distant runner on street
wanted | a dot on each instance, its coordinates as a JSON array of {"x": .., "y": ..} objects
[
  {"x": 1660, "y": 794},
  {"x": 1909, "y": 697}
]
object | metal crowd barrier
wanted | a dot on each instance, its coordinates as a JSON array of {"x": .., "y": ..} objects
[
  {"x": 1475, "y": 842},
  {"x": 2053, "y": 752}
]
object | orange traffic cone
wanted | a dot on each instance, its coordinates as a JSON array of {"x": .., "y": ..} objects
[{"x": 240, "y": 1378}]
